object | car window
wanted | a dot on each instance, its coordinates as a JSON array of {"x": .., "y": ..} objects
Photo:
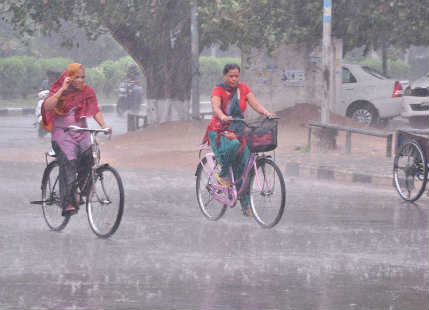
[
  {"x": 374, "y": 73},
  {"x": 348, "y": 77}
]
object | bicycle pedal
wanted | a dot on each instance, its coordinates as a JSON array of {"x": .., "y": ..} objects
[{"x": 37, "y": 202}]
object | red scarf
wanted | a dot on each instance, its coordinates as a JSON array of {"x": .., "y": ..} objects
[{"x": 83, "y": 100}]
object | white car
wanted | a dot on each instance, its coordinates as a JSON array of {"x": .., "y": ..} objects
[
  {"x": 368, "y": 96},
  {"x": 416, "y": 103}
]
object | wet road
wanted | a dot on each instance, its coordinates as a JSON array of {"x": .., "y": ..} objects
[
  {"x": 337, "y": 247},
  {"x": 18, "y": 131}
]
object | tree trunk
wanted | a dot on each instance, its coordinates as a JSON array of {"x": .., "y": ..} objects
[
  {"x": 168, "y": 76},
  {"x": 166, "y": 63}
]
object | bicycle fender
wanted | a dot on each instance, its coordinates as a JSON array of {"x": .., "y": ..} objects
[
  {"x": 45, "y": 172},
  {"x": 261, "y": 159},
  {"x": 103, "y": 165}
]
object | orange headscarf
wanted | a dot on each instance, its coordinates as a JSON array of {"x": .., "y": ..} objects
[{"x": 84, "y": 99}]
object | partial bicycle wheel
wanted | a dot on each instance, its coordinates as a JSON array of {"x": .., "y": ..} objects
[
  {"x": 410, "y": 171},
  {"x": 206, "y": 175},
  {"x": 267, "y": 193},
  {"x": 51, "y": 207},
  {"x": 105, "y": 202}
]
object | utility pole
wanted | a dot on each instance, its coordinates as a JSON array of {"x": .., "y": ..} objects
[
  {"x": 327, "y": 60},
  {"x": 195, "y": 51}
]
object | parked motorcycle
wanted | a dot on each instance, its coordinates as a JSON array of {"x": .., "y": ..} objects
[
  {"x": 129, "y": 97},
  {"x": 41, "y": 132}
]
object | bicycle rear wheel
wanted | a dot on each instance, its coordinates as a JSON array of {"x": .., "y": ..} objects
[
  {"x": 210, "y": 207},
  {"x": 410, "y": 171},
  {"x": 267, "y": 193},
  {"x": 105, "y": 202},
  {"x": 51, "y": 207}
]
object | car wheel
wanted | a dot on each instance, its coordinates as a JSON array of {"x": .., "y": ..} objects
[
  {"x": 364, "y": 114},
  {"x": 407, "y": 91}
]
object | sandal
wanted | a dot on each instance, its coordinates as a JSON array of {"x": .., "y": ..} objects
[
  {"x": 222, "y": 181},
  {"x": 247, "y": 212},
  {"x": 69, "y": 210}
]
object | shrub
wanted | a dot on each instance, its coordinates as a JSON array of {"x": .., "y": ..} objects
[
  {"x": 395, "y": 68},
  {"x": 12, "y": 77},
  {"x": 211, "y": 72},
  {"x": 95, "y": 78},
  {"x": 22, "y": 75}
]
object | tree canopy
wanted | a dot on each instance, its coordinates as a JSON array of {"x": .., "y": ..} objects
[{"x": 156, "y": 33}]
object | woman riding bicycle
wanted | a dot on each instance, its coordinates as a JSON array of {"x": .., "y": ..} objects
[
  {"x": 229, "y": 101},
  {"x": 70, "y": 102}
]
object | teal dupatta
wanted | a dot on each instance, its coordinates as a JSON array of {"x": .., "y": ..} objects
[{"x": 227, "y": 151}]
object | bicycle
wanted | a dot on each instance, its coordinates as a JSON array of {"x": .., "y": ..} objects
[
  {"x": 410, "y": 165},
  {"x": 262, "y": 178},
  {"x": 102, "y": 192}
]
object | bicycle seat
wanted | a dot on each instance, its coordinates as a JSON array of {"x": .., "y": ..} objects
[{"x": 51, "y": 153}]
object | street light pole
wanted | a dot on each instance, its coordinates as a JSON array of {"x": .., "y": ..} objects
[
  {"x": 326, "y": 60},
  {"x": 195, "y": 51}
]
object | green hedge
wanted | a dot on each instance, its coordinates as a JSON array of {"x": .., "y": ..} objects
[
  {"x": 21, "y": 76},
  {"x": 395, "y": 68},
  {"x": 211, "y": 72}
]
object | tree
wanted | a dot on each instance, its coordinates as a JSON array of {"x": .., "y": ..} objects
[
  {"x": 382, "y": 24},
  {"x": 156, "y": 33},
  {"x": 10, "y": 44}
]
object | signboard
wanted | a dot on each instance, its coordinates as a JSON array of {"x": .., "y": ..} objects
[{"x": 294, "y": 78}]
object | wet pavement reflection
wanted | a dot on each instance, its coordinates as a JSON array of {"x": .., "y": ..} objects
[{"x": 337, "y": 247}]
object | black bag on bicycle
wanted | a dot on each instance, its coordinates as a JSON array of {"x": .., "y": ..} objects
[{"x": 262, "y": 137}]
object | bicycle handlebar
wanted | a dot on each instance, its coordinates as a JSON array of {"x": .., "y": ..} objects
[
  {"x": 245, "y": 121},
  {"x": 77, "y": 128}
]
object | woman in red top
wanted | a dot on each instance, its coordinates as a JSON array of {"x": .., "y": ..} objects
[{"x": 229, "y": 100}]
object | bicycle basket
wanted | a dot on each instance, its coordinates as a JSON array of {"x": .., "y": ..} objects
[{"x": 262, "y": 137}]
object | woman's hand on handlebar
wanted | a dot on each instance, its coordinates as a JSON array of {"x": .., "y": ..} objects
[
  {"x": 226, "y": 118},
  {"x": 109, "y": 130},
  {"x": 270, "y": 115}
]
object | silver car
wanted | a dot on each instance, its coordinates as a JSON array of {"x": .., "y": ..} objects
[
  {"x": 415, "y": 106},
  {"x": 368, "y": 96}
]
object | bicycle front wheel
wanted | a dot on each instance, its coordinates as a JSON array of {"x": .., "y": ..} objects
[
  {"x": 105, "y": 202},
  {"x": 51, "y": 207},
  {"x": 410, "y": 171},
  {"x": 206, "y": 171},
  {"x": 267, "y": 193}
]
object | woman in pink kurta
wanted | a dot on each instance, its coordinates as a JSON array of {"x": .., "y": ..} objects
[{"x": 70, "y": 102}]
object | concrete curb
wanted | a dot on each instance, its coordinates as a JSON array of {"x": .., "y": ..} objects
[
  {"x": 295, "y": 169},
  {"x": 105, "y": 108}
]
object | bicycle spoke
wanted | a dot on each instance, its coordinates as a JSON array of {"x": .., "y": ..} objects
[
  {"x": 410, "y": 171},
  {"x": 51, "y": 206},
  {"x": 209, "y": 206},
  {"x": 105, "y": 203},
  {"x": 267, "y": 194}
]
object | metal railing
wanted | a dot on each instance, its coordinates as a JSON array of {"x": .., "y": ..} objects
[{"x": 349, "y": 131}]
